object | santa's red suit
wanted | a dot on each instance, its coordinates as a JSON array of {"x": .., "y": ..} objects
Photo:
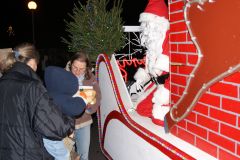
[{"x": 154, "y": 36}]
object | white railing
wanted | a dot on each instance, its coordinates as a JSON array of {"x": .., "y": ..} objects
[{"x": 132, "y": 47}]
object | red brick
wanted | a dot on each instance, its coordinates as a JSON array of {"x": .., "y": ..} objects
[
  {"x": 174, "y": 69},
  {"x": 210, "y": 99},
  {"x": 197, "y": 130},
  {"x": 231, "y": 105},
  {"x": 185, "y": 69},
  {"x": 223, "y": 116},
  {"x": 238, "y": 149},
  {"x": 187, "y": 48},
  {"x": 177, "y": 27},
  {"x": 174, "y": 89},
  {"x": 179, "y": 58},
  {"x": 223, "y": 155},
  {"x": 176, "y": 6},
  {"x": 189, "y": 38},
  {"x": 235, "y": 78},
  {"x": 192, "y": 117},
  {"x": 206, "y": 146},
  {"x": 207, "y": 122},
  {"x": 200, "y": 108},
  {"x": 174, "y": 98},
  {"x": 181, "y": 90},
  {"x": 182, "y": 124},
  {"x": 176, "y": 16},
  {"x": 179, "y": 37},
  {"x": 238, "y": 122},
  {"x": 192, "y": 59},
  {"x": 230, "y": 132},
  {"x": 173, "y": 47},
  {"x": 177, "y": 79},
  {"x": 221, "y": 141},
  {"x": 174, "y": 130},
  {"x": 186, "y": 136},
  {"x": 225, "y": 89}
]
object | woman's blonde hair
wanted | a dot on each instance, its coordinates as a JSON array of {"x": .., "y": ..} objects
[
  {"x": 22, "y": 53},
  {"x": 26, "y": 51},
  {"x": 7, "y": 59}
]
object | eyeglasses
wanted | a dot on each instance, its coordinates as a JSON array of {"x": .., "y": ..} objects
[{"x": 76, "y": 69}]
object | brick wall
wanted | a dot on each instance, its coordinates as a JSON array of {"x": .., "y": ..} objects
[{"x": 214, "y": 124}]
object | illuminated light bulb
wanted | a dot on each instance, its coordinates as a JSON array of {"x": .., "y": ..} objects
[
  {"x": 204, "y": 86},
  {"x": 193, "y": 38}
]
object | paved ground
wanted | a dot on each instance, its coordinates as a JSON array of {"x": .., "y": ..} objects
[{"x": 95, "y": 152}]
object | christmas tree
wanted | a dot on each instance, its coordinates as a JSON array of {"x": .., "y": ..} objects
[{"x": 95, "y": 28}]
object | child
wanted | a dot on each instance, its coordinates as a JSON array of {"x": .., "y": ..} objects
[{"x": 61, "y": 86}]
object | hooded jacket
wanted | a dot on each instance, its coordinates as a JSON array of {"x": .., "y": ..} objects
[
  {"x": 27, "y": 115},
  {"x": 61, "y": 86}
]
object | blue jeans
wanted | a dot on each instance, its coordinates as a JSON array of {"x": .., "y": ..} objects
[
  {"x": 56, "y": 149},
  {"x": 82, "y": 137}
]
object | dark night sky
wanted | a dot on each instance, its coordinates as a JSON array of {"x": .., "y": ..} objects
[{"x": 49, "y": 20}]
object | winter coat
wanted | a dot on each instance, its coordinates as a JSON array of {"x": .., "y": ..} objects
[
  {"x": 86, "y": 118},
  {"x": 61, "y": 86},
  {"x": 27, "y": 115}
]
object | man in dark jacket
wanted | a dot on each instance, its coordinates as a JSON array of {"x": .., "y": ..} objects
[{"x": 27, "y": 115}]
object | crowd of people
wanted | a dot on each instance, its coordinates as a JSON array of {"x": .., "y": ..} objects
[{"x": 49, "y": 118}]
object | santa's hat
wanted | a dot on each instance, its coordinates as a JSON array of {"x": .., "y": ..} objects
[{"x": 155, "y": 8}]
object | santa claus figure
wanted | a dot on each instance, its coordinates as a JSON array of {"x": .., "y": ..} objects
[{"x": 154, "y": 102}]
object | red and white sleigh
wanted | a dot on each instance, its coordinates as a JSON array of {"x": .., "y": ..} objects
[{"x": 124, "y": 134}]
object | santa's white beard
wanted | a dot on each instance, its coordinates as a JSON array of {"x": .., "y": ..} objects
[
  {"x": 154, "y": 29},
  {"x": 153, "y": 34}
]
